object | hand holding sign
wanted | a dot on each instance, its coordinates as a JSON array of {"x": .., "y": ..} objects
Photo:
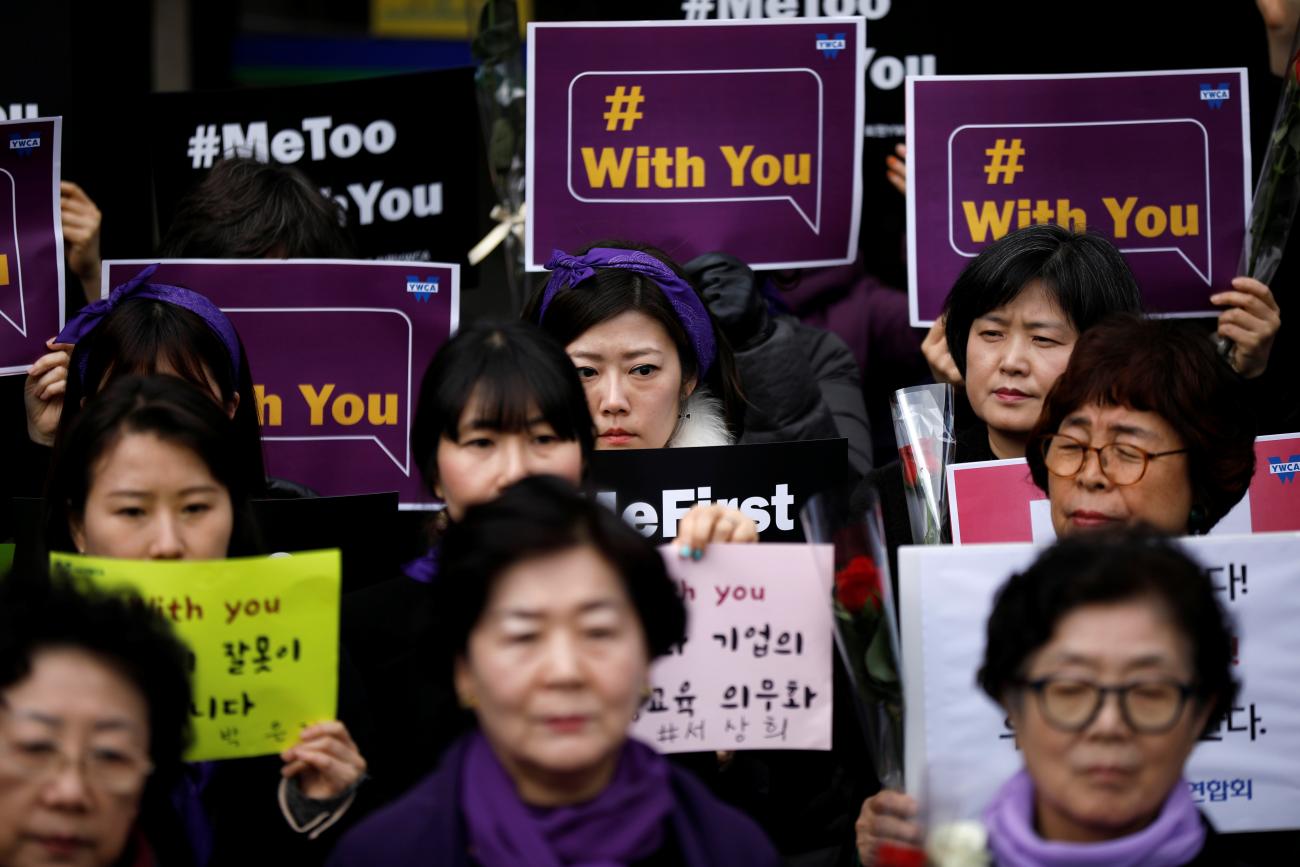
[
  {"x": 47, "y": 382},
  {"x": 1251, "y": 323}
]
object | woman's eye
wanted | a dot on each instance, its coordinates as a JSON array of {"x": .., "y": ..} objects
[
  {"x": 478, "y": 443},
  {"x": 130, "y": 512},
  {"x": 197, "y": 508},
  {"x": 1046, "y": 341},
  {"x": 108, "y": 756},
  {"x": 990, "y": 334},
  {"x": 586, "y": 372},
  {"x": 644, "y": 369},
  {"x": 522, "y": 638},
  {"x": 36, "y": 748},
  {"x": 601, "y": 633},
  {"x": 545, "y": 439}
]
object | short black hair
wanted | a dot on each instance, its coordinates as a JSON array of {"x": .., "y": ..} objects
[
  {"x": 39, "y": 613},
  {"x": 140, "y": 334},
  {"x": 513, "y": 368},
  {"x": 165, "y": 406},
  {"x": 246, "y": 209},
  {"x": 1104, "y": 568},
  {"x": 1083, "y": 274},
  {"x": 1168, "y": 367},
  {"x": 610, "y": 292},
  {"x": 534, "y": 517}
]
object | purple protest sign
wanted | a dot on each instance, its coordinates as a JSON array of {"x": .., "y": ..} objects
[
  {"x": 337, "y": 349},
  {"x": 742, "y": 137},
  {"x": 1158, "y": 163},
  {"x": 31, "y": 240}
]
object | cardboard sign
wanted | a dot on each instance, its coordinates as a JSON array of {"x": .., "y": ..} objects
[
  {"x": 997, "y": 501},
  {"x": 402, "y": 154},
  {"x": 31, "y": 240},
  {"x": 742, "y": 137},
  {"x": 263, "y": 635},
  {"x": 770, "y": 482},
  {"x": 1245, "y": 776},
  {"x": 755, "y": 670},
  {"x": 1158, "y": 163},
  {"x": 337, "y": 350}
]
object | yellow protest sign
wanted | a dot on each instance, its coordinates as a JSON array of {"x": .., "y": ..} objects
[{"x": 263, "y": 634}]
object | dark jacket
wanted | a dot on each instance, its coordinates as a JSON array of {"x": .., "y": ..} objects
[{"x": 426, "y": 827}]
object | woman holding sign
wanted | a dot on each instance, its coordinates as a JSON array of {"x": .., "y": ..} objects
[
  {"x": 551, "y": 610},
  {"x": 1111, "y": 657},
  {"x": 1147, "y": 425},
  {"x": 150, "y": 470}
]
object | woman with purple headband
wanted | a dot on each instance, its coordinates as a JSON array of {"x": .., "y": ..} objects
[{"x": 146, "y": 327}]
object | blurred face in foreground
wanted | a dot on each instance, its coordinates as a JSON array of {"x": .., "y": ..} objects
[
  {"x": 555, "y": 669},
  {"x": 1103, "y": 767}
]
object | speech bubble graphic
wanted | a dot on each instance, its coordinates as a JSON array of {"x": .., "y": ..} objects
[
  {"x": 13, "y": 307},
  {"x": 1142, "y": 184},
  {"x": 638, "y": 137},
  {"x": 324, "y": 396}
]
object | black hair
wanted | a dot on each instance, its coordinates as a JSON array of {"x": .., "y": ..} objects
[
  {"x": 513, "y": 369},
  {"x": 541, "y": 515},
  {"x": 611, "y": 292},
  {"x": 165, "y": 406},
  {"x": 1084, "y": 275},
  {"x": 1168, "y": 367},
  {"x": 40, "y": 613},
  {"x": 246, "y": 209},
  {"x": 138, "y": 336},
  {"x": 1100, "y": 569}
]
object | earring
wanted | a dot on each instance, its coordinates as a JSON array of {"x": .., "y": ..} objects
[{"x": 467, "y": 702}]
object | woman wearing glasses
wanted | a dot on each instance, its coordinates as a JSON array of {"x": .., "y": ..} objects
[
  {"x": 1111, "y": 657},
  {"x": 1146, "y": 425}
]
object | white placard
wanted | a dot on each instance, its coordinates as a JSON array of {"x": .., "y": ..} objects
[
  {"x": 755, "y": 670},
  {"x": 957, "y": 742}
]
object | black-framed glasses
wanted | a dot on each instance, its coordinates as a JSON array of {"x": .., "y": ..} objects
[
  {"x": 1148, "y": 706},
  {"x": 1122, "y": 463}
]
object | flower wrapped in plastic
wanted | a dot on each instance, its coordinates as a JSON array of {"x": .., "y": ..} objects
[
  {"x": 923, "y": 420},
  {"x": 1278, "y": 192}
]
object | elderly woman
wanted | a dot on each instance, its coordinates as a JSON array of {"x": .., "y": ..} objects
[
  {"x": 552, "y": 610},
  {"x": 1146, "y": 425},
  {"x": 94, "y": 714},
  {"x": 1111, "y": 657}
]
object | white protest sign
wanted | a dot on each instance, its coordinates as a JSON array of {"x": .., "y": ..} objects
[
  {"x": 1245, "y": 776},
  {"x": 755, "y": 670}
]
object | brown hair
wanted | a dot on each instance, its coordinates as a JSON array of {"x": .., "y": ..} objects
[{"x": 1170, "y": 368}]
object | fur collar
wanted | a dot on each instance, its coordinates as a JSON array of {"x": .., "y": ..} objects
[{"x": 703, "y": 423}]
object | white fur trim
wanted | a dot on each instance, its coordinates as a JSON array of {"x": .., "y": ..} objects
[{"x": 703, "y": 424}]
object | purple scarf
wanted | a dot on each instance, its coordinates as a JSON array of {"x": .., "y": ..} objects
[
  {"x": 1174, "y": 838},
  {"x": 423, "y": 568},
  {"x": 622, "y": 824}
]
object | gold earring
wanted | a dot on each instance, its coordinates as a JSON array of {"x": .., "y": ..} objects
[{"x": 467, "y": 702}]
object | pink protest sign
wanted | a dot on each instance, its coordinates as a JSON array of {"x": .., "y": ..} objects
[
  {"x": 997, "y": 501},
  {"x": 755, "y": 670}
]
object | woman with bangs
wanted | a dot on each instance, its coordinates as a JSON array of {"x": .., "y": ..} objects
[{"x": 500, "y": 402}]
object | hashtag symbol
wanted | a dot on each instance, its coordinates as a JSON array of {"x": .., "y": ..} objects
[
  {"x": 1010, "y": 167},
  {"x": 205, "y": 145},
  {"x": 697, "y": 10},
  {"x": 623, "y": 108}
]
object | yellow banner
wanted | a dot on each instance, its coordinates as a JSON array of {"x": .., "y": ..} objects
[
  {"x": 263, "y": 635},
  {"x": 440, "y": 19}
]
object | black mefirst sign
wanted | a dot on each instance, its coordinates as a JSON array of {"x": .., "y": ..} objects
[
  {"x": 402, "y": 154},
  {"x": 652, "y": 489}
]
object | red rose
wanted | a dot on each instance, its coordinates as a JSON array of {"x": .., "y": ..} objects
[
  {"x": 1295, "y": 67},
  {"x": 909, "y": 466},
  {"x": 857, "y": 584}
]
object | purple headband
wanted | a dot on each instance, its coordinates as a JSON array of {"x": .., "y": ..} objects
[
  {"x": 93, "y": 314},
  {"x": 572, "y": 270}
]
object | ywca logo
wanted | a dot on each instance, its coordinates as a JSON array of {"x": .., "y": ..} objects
[
  {"x": 1215, "y": 96},
  {"x": 24, "y": 144},
  {"x": 831, "y": 46},
  {"x": 421, "y": 289},
  {"x": 1284, "y": 469}
]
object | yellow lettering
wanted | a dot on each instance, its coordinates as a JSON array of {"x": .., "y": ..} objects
[
  {"x": 1073, "y": 219},
  {"x": 388, "y": 415},
  {"x": 737, "y": 162},
  {"x": 608, "y": 166},
  {"x": 766, "y": 170},
  {"x": 1151, "y": 222},
  {"x": 347, "y": 409},
  {"x": 316, "y": 401},
  {"x": 268, "y": 404},
  {"x": 643, "y": 166},
  {"x": 1120, "y": 215},
  {"x": 798, "y": 169},
  {"x": 690, "y": 169},
  {"x": 988, "y": 218},
  {"x": 4, "y": 269},
  {"x": 1182, "y": 228}
]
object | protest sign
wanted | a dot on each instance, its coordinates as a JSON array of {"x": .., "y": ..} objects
[
  {"x": 1158, "y": 163},
  {"x": 337, "y": 349},
  {"x": 31, "y": 240},
  {"x": 401, "y": 154},
  {"x": 1245, "y": 775},
  {"x": 997, "y": 501},
  {"x": 755, "y": 670},
  {"x": 770, "y": 482},
  {"x": 6, "y": 557},
  {"x": 743, "y": 137},
  {"x": 263, "y": 634}
]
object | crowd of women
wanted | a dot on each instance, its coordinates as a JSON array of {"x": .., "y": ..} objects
[{"x": 486, "y": 691}]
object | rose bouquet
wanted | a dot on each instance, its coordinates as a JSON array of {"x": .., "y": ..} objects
[{"x": 1278, "y": 192}]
